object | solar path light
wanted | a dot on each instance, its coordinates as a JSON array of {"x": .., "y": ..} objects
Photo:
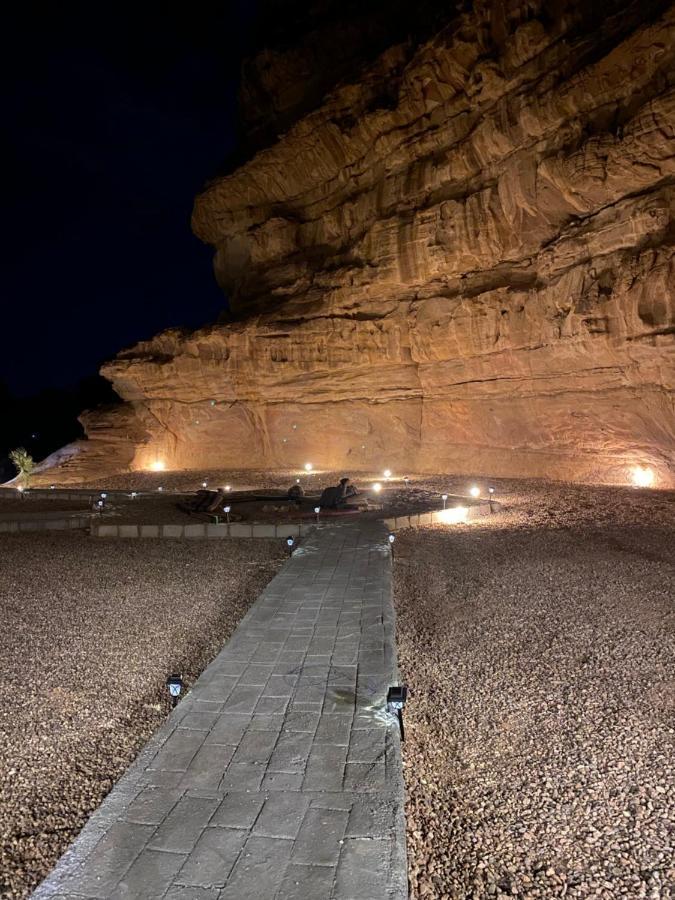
[
  {"x": 396, "y": 698},
  {"x": 160, "y": 488},
  {"x": 377, "y": 487},
  {"x": 317, "y": 510},
  {"x": 205, "y": 484},
  {"x": 391, "y": 537},
  {"x": 290, "y": 542},
  {"x": 226, "y": 510},
  {"x": 474, "y": 490},
  {"x": 387, "y": 474},
  {"x": 491, "y": 492},
  {"x": 444, "y": 498},
  {"x": 175, "y": 686}
]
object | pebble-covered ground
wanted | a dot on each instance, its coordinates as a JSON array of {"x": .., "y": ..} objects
[
  {"x": 90, "y": 630},
  {"x": 539, "y": 648}
]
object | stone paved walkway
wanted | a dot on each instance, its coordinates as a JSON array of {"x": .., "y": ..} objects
[{"x": 279, "y": 774}]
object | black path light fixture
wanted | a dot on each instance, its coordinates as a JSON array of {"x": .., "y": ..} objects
[
  {"x": 491, "y": 493},
  {"x": 175, "y": 685},
  {"x": 444, "y": 498},
  {"x": 226, "y": 510},
  {"x": 290, "y": 542},
  {"x": 396, "y": 698},
  {"x": 391, "y": 537},
  {"x": 317, "y": 510}
]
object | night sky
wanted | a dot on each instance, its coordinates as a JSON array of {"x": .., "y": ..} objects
[{"x": 112, "y": 125}]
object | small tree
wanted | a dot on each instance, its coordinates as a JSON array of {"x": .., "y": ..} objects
[{"x": 24, "y": 464}]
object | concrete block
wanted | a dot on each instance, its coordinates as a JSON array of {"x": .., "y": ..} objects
[
  {"x": 216, "y": 531},
  {"x": 172, "y": 531},
  {"x": 264, "y": 531},
  {"x": 197, "y": 530},
  {"x": 128, "y": 531},
  {"x": 239, "y": 530},
  {"x": 290, "y": 530},
  {"x": 149, "y": 531},
  {"x": 107, "y": 530}
]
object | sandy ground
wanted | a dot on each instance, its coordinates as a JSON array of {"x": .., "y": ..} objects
[
  {"x": 90, "y": 631},
  {"x": 539, "y": 648}
]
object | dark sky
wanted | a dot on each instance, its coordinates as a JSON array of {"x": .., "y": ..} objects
[{"x": 113, "y": 118}]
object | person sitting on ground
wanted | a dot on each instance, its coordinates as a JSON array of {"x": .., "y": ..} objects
[{"x": 336, "y": 497}]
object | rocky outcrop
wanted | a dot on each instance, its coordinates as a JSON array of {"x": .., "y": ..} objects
[{"x": 461, "y": 260}]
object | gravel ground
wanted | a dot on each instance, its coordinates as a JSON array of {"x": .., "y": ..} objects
[
  {"x": 90, "y": 630},
  {"x": 539, "y": 648}
]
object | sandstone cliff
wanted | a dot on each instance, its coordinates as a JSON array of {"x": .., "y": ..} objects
[{"x": 461, "y": 259}]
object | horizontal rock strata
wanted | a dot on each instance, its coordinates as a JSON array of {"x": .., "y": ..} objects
[{"x": 461, "y": 260}]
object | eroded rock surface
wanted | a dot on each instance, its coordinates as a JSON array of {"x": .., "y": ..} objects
[{"x": 460, "y": 260}]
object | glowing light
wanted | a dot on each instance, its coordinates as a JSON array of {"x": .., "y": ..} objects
[
  {"x": 317, "y": 510},
  {"x": 308, "y": 467},
  {"x": 158, "y": 466},
  {"x": 226, "y": 509},
  {"x": 387, "y": 473},
  {"x": 491, "y": 490},
  {"x": 160, "y": 488},
  {"x": 228, "y": 487},
  {"x": 205, "y": 484},
  {"x": 20, "y": 489},
  {"x": 52, "y": 487},
  {"x": 297, "y": 481},
  {"x": 377, "y": 487},
  {"x": 474, "y": 491},
  {"x": 642, "y": 476},
  {"x": 444, "y": 498},
  {"x": 454, "y": 516}
]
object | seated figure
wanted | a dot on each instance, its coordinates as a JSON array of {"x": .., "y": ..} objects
[
  {"x": 336, "y": 497},
  {"x": 295, "y": 492}
]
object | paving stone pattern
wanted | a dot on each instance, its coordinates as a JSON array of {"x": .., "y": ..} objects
[{"x": 279, "y": 774}]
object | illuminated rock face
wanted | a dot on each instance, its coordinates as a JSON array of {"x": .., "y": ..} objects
[{"x": 461, "y": 261}]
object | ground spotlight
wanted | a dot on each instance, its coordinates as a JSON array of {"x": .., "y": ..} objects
[
  {"x": 642, "y": 476},
  {"x": 396, "y": 698},
  {"x": 175, "y": 686}
]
